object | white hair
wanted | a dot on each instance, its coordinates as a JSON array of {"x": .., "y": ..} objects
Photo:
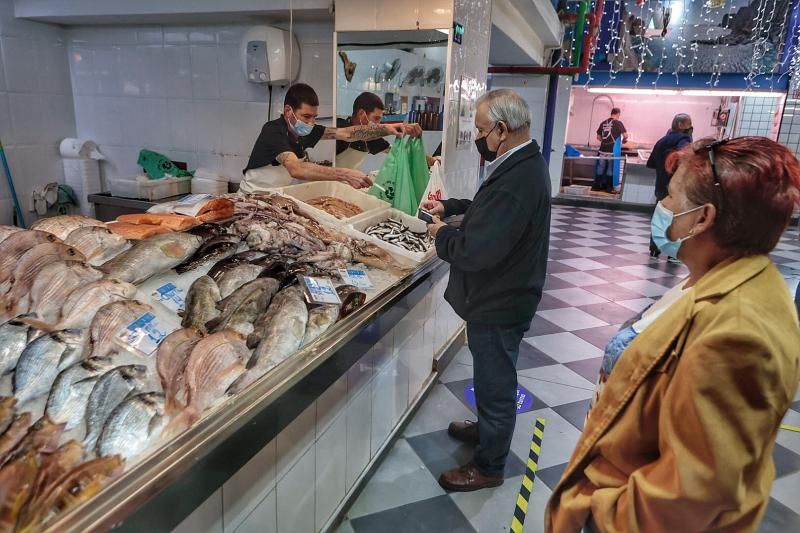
[{"x": 507, "y": 106}]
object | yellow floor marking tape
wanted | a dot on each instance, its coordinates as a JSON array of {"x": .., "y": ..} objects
[
  {"x": 524, "y": 497},
  {"x": 790, "y": 428}
]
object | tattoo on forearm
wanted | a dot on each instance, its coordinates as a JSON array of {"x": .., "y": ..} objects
[{"x": 366, "y": 133}]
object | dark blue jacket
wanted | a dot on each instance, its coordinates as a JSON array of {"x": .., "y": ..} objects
[
  {"x": 498, "y": 256},
  {"x": 672, "y": 141}
]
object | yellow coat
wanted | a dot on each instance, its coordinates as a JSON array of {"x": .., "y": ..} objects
[{"x": 682, "y": 435}]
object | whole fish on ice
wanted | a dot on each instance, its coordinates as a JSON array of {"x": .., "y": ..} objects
[
  {"x": 152, "y": 256},
  {"x": 171, "y": 358},
  {"x": 109, "y": 322},
  {"x": 132, "y": 426},
  {"x": 71, "y": 389},
  {"x": 240, "y": 310},
  {"x": 42, "y": 360},
  {"x": 98, "y": 244},
  {"x": 201, "y": 303},
  {"x": 13, "y": 340},
  {"x": 61, "y": 226},
  {"x": 107, "y": 393},
  {"x": 54, "y": 284}
]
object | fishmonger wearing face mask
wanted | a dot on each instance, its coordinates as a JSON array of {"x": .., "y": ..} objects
[
  {"x": 692, "y": 392},
  {"x": 279, "y": 155}
]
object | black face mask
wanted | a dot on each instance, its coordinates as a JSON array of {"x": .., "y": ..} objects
[
  {"x": 483, "y": 148},
  {"x": 689, "y": 130}
]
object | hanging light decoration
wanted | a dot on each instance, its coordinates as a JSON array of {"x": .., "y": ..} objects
[
  {"x": 612, "y": 47},
  {"x": 759, "y": 44},
  {"x": 781, "y": 45}
]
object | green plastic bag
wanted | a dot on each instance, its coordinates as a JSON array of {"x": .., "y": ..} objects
[
  {"x": 157, "y": 165},
  {"x": 403, "y": 176}
]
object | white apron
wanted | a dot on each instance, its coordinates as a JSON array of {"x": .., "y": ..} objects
[
  {"x": 263, "y": 178},
  {"x": 351, "y": 158}
]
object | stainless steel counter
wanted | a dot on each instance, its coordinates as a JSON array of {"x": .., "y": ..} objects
[{"x": 157, "y": 493}]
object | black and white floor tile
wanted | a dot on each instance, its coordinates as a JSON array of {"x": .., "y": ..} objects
[{"x": 599, "y": 276}]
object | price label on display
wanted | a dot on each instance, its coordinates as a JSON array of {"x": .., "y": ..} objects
[
  {"x": 145, "y": 333},
  {"x": 193, "y": 198},
  {"x": 170, "y": 297},
  {"x": 320, "y": 291},
  {"x": 355, "y": 277}
]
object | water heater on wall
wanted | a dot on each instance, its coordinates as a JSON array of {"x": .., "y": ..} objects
[{"x": 266, "y": 55}]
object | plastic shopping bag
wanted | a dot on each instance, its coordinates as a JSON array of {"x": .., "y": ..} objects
[
  {"x": 435, "y": 189},
  {"x": 401, "y": 181}
]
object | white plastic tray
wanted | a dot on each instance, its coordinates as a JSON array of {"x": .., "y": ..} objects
[
  {"x": 307, "y": 191},
  {"x": 146, "y": 189},
  {"x": 356, "y": 229}
]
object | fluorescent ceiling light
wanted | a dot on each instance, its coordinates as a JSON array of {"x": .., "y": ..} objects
[
  {"x": 724, "y": 92},
  {"x": 630, "y": 90},
  {"x": 685, "y": 92}
]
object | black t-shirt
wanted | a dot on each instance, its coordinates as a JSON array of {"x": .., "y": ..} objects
[
  {"x": 276, "y": 138},
  {"x": 373, "y": 147},
  {"x": 609, "y": 131}
]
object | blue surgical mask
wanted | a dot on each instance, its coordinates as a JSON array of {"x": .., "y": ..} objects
[
  {"x": 301, "y": 128},
  {"x": 662, "y": 220}
]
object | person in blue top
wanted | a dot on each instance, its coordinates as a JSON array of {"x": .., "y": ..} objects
[{"x": 608, "y": 132}]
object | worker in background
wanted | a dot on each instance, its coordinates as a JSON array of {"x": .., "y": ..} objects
[
  {"x": 279, "y": 155},
  {"x": 678, "y": 136},
  {"x": 367, "y": 111},
  {"x": 608, "y": 132}
]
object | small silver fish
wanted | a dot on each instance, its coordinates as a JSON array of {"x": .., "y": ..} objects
[
  {"x": 107, "y": 393},
  {"x": 13, "y": 339},
  {"x": 201, "y": 303},
  {"x": 70, "y": 391},
  {"x": 42, "y": 360},
  {"x": 132, "y": 426}
]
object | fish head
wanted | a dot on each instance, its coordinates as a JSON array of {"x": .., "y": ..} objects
[
  {"x": 135, "y": 375},
  {"x": 121, "y": 288},
  {"x": 68, "y": 337}
]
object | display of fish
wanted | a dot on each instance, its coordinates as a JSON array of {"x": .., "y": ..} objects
[
  {"x": 61, "y": 226},
  {"x": 262, "y": 323},
  {"x": 15, "y": 432},
  {"x": 217, "y": 248},
  {"x": 54, "y": 284},
  {"x": 16, "y": 300},
  {"x": 222, "y": 266},
  {"x": 238, "y": 276},
  {"x": 215, "y": 362},
  {"x": 7, "y": 405},
  {"x": 13, "y": 339},
  {"x": 15, "y": 246},
  {"x": 70, "y": 490},
  {"x": 397, "y": 233},
  {"x": 281, "y": 339},
  {"x": 71, "y": 389},
  {"x": 98, "y": 244},
  {"x": 6, "y": 231},
  {"x": 132, "y": 426},
  {"x": 208, "y": 231},
  {"x": 42, "y": 360},
  {"x": 201, "y": 303},
  {"x": 152, "y": 256},
  {"x": 43, "y": 436},
  {"x": 171, "y": 358},
  {"x": 320, "y": 319},
  {"x": 16, "y": 484},
  {"x": 240, "y": 310},
  {"x": 108, "y": 323},
  {"x": 107, "y": 393}
]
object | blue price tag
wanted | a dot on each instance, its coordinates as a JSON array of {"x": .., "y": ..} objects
[
  {"x": 355, "y": 277},
  {"x": 145, "y": 333},
  {"x": 320, "y": 291},
  {"x": 170, "y": 297}
]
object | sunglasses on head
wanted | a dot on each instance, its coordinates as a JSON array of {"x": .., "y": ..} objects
[{"x": 712, "y": 158}]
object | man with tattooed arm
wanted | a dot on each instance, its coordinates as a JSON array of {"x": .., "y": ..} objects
[{"x": 279, "y": 155}]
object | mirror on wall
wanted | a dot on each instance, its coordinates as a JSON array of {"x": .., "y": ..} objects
[{"x": 405, "y": 72}]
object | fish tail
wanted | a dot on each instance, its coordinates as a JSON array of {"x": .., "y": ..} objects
[
  {"x": 38, "y": 324},
  {"x": 172, "y": 406},
  {"x": 180, "y": 422}
]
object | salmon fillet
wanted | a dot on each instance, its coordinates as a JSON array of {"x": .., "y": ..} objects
[
  {"x": 217, "y": 214},
  {"x": 169, "y": 221},
  {"x": 136, "y": 232}
]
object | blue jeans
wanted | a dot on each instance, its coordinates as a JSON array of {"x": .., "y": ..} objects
[
  {"x": 604, "y": 173},
  {"x": 494, "y": 354}
]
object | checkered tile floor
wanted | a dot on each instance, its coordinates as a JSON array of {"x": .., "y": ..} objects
[{"x": 600, "y": 275}]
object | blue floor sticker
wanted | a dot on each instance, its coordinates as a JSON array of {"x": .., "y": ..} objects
[{"x": 524, "y": 397}]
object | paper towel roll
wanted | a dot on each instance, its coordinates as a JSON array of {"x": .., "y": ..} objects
[{"x": 79, "y": 149}]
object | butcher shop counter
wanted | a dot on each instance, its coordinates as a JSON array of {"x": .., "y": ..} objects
[{"x": 291, "y": 451}]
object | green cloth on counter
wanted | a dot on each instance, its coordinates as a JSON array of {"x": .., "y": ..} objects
[
  {"x": 156, "y": 166},
  {"x": 404, "y": 175}
]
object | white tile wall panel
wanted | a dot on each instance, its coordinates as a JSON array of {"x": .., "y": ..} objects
[
  {"x": 19, "y": 56},
  {"x": 205, "y": 519},
  {"x": 27, "y": 116},
  {"x": 296, "y": 496},
  {"x": 296, "y": 439},
  {"x": 359, "y": 429},
  {"x": 205, "y": 72},
  {"x": 420, "y": 363},
  {"x": 6, "y": 128},
  {"x": 264, "y": 518},
  {"x": 360, "y": 375},
  {"x": 356, "y": 15},
  {"x": 383, "y": 392},
  {"x": 384, "y": 350},
  {"x": 248, "y": 487},
  {"x": 177, "y": 71},
  {"x": 331, "y": 404},
  {"x": 331, "y": 469}
]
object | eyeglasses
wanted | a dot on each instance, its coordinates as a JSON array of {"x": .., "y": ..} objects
[{"x": 712, "y": 159}]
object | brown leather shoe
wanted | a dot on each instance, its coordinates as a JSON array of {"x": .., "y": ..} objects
[
  {"x": 466, "y": 431},
  {"x": 467, "y": 478}
]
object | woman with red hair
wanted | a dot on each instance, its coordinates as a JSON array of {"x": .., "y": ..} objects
[{"x": 681, "y": 435}]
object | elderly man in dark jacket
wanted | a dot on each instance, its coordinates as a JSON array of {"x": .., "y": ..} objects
[{"x": 498, "y": 262}]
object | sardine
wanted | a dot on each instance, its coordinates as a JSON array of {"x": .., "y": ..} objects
[
  {"x": 42, "y": 436},
  {"x": 71, "y": 489},
  {"x": 152, "y": 256},
  {"x": 42, "y": 360},
  {"x": 215, "y": 249},
  {"x": 215, "y": 362},
  {"x": 15, "y": 246},
  {"x": 7, "y": 404},
  {"x": 16, "y": 484},
  {"x": 320, "y": 319},
  {"x": 14, "y": 434},
  {"x": 15, "y": 301},
  {"x": 70, "y": 392},
  {"x": 7, "y": 231},
  {"x": 108, "y": 392},
  {"x": 61, "y": 226},
  {"x": 13, "y": 339},
  {"x": 243, "y": 307},
  {"x": 238, "y": 276},
  {"x": 282, "y": 338},
  {"x": 171, "y": 358},
  {"x": 201, "y": 303},
  {"x": 98, "y": 244},
  {"x": 54, "y": 284},
  {"x": 222, "y": 266},
  {"x": 109, "y": 322},
  {"x": 132, "y": 426}
]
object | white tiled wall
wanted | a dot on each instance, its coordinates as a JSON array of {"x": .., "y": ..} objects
[
  {"x": 789, "y": 134},
  {"x": 35, "y": 105},
  {"x": 759, "y": 117},
  {"x": 298, "y": 481},
  {"x": 181, "y": 91}
]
